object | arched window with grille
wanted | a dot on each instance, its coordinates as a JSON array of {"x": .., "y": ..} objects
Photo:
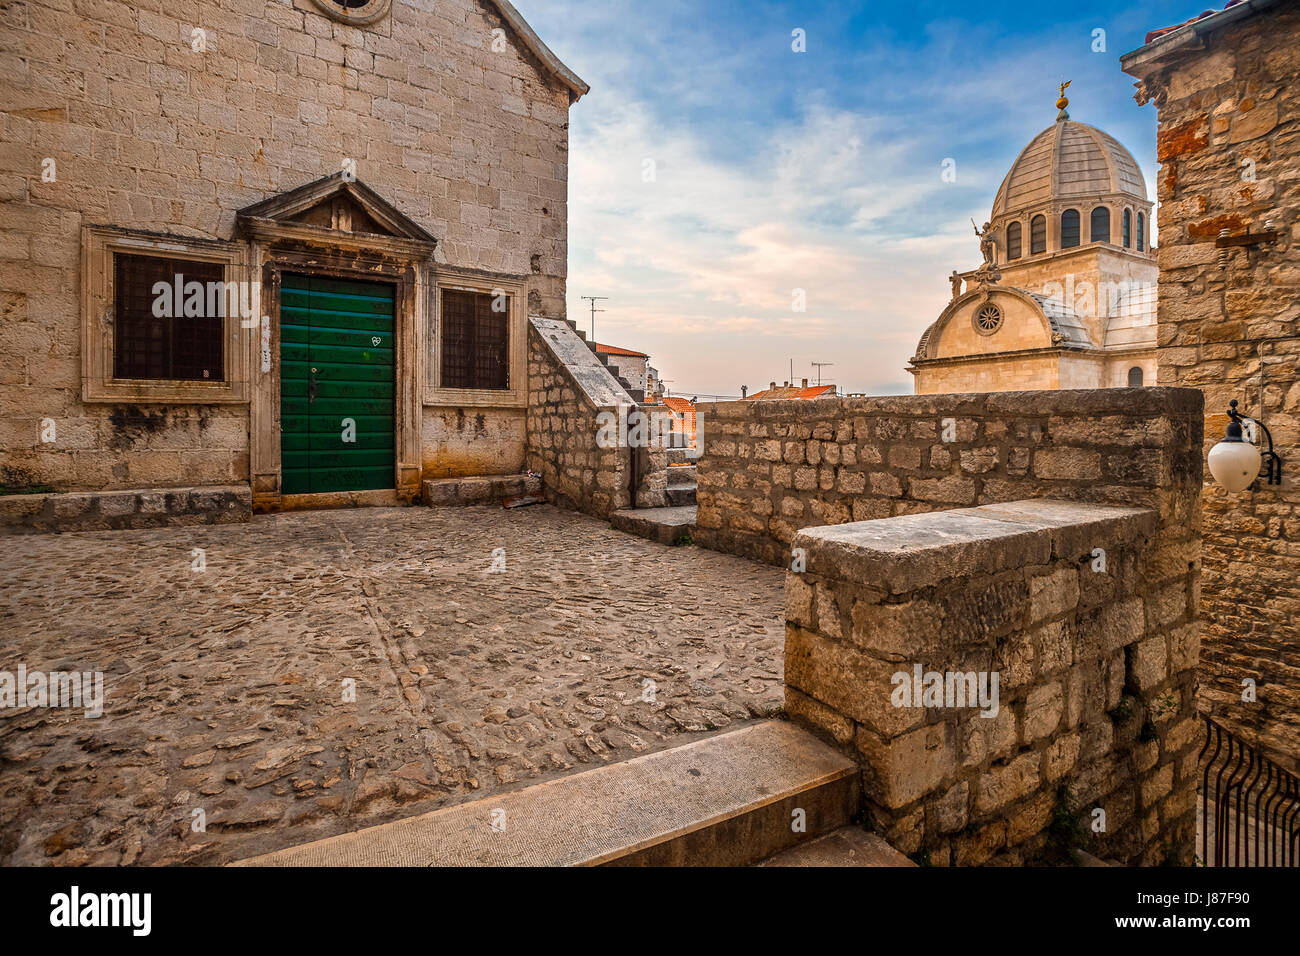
[
  {"x": 1037, "y": 235},
  {"x": 1069, "y": 228},
  {"x": 1013, "y": 241},
  {"x": 1128, "y": 228},
  {"x": 1135, "y": 377},
  {"x": 1142, "y": 231},
  {"x": 1100, "y": 225}
]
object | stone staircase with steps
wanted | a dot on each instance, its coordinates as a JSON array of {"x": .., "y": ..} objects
[
  {"x": 725, "y": 800},
  {"x": 672, "y": 524},
  {"x": 638, "y": 394},
  {"x": 681, "y": 485}
]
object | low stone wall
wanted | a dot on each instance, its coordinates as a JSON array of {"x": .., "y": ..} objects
[
  {"x": 772, "y": 468},
  {"x": 105, "y": 510},
  {"x": 1086, "y": 621}
]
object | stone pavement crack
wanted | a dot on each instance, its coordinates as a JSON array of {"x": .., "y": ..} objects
[{"x": 399, "y": 665}]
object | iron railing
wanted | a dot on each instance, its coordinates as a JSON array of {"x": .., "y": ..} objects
[{"x": 1250, "y": 806}]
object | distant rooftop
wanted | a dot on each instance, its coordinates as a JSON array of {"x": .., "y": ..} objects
[
  {"x": 615, "y": 350},
  {"x": 804, "y": 391}
]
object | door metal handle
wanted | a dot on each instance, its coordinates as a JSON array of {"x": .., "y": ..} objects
[{"x": 311, "y": 386}]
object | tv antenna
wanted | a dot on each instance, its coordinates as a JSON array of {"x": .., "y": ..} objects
[
  {"x": 819, "y": 366},
  {"x": 593, "y": 299}
]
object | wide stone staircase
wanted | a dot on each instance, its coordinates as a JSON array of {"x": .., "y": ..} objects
[{"x": 768, "y": 793}]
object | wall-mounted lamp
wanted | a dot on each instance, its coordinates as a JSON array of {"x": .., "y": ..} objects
[{"x": 1235, "y": 462}]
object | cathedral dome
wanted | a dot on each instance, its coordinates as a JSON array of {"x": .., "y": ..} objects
[{"x": 1068, "y": 161}]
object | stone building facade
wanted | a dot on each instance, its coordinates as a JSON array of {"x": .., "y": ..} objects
[
  {"x": 1065, "y": 297},
  {"x": 1227, "y": 90},
  {"x": 377, "y": 192}
]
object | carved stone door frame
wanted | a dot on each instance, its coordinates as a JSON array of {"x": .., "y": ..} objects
[{"x": 281, "y": 241}]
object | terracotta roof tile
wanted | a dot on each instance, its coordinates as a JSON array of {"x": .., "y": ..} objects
[
  {"x": 793, "y": 391},
  {"x": 1156, "y": 34},
  {"x": 615, "y": 350}
]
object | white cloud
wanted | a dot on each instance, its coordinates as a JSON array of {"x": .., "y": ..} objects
[{"x": 701, "y": 264}]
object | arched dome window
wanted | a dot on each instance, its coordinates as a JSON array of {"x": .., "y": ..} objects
[
  {"x": 1013, "y": 241},
  {"x": 1069, "y": 228},
  {"x": 1037, "y": 235},
  {"x": 1100, "y": 225},
  {"x": 1135, "y": 377},
  {"x": 1142, "y": 230},
  {"x": 1128, "y": 228}
]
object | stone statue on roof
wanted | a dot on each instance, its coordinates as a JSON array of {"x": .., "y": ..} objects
[{"x": 988, "y": 244}]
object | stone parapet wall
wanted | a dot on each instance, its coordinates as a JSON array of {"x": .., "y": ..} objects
[
  {"x": 1094, "y": 707},
  {"x": 772, "y": 468},
  {"x": 562, "y": 428},
  {"x": 1229, "y": 324}
]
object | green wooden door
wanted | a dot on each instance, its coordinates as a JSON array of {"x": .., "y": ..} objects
[{"x": 337, "y": 387}]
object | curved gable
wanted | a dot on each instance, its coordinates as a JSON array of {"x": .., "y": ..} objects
[{"x": 1028, "y": 321}]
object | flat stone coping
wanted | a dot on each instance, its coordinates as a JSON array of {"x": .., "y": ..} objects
[
  {"x": 908, "y": 552},
  {"x": 571, "y": 350},
  {"x": 599, "y": 815}
]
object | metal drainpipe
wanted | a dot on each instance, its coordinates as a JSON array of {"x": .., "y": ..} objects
[{"x": 633, "y": 459}]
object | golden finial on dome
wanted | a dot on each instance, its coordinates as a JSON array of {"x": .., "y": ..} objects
[{"x": 1062, "y": 103}]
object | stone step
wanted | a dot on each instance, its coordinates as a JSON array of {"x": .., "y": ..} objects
[
  {"x": 666, "y": 525},
  {"x": 726, "y": 800},
  {"x": 44, "y": 511},
  {"x": 681, "y": 496},
  {"x": 679, "y": 475},
  {"x": 487, "y": 489},
  {"x": 847, "y": 846}
]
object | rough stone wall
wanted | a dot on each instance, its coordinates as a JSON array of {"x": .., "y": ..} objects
[
  {"x": 1095, "y": 704},
  {"x": 146, "y": 133},
  {"x": 1229, "y": 135},
  {"x": 772, "y": 468},
  {"x": 562, "y": 429}
]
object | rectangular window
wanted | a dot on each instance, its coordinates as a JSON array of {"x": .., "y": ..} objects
[
  {"x": 475, "y": 340},
  {"x": 168, "y": 316}
]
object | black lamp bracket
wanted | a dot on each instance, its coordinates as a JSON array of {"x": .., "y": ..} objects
[{"x": 1271, "y": 463}]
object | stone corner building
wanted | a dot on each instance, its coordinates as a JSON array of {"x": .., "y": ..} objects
[
  {"x": 1227, "y": 88},
  {"x": 283, "y": 248}
]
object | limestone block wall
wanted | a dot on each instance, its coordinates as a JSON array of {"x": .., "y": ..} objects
[
  {"x": 148, "y": 132},
  {"x": 562, "y": 428},
  {"x": 772, "y": 468},
  {"x": 1228, "y": 138},
  {"x": 1088, "y": 739}
]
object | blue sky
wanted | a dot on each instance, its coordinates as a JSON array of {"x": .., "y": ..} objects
[{"x": 713, "y": 170}]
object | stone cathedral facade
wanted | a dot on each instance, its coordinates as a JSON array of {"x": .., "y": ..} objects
[{"x": 1066, "y": 295}]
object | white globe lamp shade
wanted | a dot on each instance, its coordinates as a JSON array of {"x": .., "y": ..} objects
[{"x": 1234, "y": 464}]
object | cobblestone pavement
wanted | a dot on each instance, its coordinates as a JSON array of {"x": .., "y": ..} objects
[{"x": 225, "y": 689}]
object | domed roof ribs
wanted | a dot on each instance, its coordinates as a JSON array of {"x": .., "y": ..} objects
[
  {"x": 1068, "y": 161},
  {"x": 1112, "y": 172}
]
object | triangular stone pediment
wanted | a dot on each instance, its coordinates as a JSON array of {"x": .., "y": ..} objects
[{"x": 337, "y": 204}]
